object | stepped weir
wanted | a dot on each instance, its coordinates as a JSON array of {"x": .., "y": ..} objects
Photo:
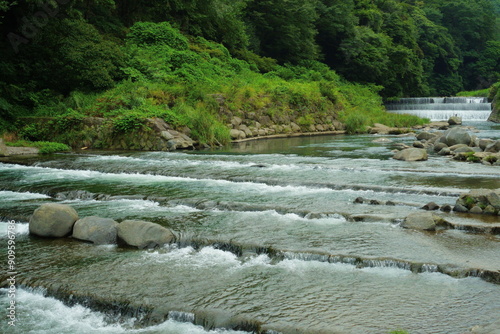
[{"x": 442, "y": 108}]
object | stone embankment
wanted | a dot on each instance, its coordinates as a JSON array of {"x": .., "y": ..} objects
[
  {"x": 456, "y": 141},
  {"x": 254, "y": 126},
  {"x": 53, "y": 220},
  {"x": 7, "y": 151},
  {"x": 154, "y": 134}
]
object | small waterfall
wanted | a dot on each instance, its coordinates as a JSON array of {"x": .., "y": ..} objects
[
  {"x": 442, "y": 108},
  {"x": 181, "y": 316}
]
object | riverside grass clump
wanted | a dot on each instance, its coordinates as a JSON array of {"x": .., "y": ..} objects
[
  {"x": 365, "y": 108},
  {"x": 195, "y": 83},
  {"x": 44, "y": 147}
]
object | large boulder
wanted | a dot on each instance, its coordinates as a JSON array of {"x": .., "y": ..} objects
[
  {"x": 53, "y": 220},
  {"x": 411, "y": 154},
  {"x": 456, "y": 136},
  {"x": 100, "y": 231},
  {"x": 143, "y": 234},
  {"x": 425, "y": 221}
]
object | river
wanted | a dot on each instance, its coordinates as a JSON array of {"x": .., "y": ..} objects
[{"x": 269, "y": 238}]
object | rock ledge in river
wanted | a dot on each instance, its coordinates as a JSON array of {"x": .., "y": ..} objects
[
  {"x": 425, "y": 221},
  {"x": 411, "y": 154}
]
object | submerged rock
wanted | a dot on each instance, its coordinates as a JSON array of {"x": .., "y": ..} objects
[
  {"x": 493, "y": 328},
  {"x": 143, "y": 234},
  {"x": 446, "y": 208},
  {"x": 100, "y": 231},
  {"x": 431, "y": 206},
  {"x": 425, "y": 221},
  {"x": 411, "y": 154},
  {"x": 382, "y": 140},
  {"x": 53, "y": 220}
]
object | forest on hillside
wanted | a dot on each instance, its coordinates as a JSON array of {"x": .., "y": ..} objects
[{"x": 53, "y": 50}]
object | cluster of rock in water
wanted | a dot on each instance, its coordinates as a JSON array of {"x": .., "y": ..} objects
[
  {"x": 56, "y": 220},
  {"x": 477, "y": 201},
  {"x": 456, "y": 141}
]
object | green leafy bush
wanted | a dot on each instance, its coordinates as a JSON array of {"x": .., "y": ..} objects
[
  {"x": 129, "y": 121},
  {"x": 149, "y": 33}
]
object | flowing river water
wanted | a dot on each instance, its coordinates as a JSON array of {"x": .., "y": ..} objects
[{"x": 269, "y": 239}]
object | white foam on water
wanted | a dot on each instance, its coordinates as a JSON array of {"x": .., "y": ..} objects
[
  {"x": 20, "y": 229},
  {"x": 183, "y": 160},
  {"x": 333, "y": 219},
  {"x": 138, "y": 205},
  {"x": 6, "y": 195},
  {"x": 38, "y": 314},
  {"x": 300, "y": 266},
  {"x": 387, "y": 271},
  {"x": 261, "y": 260},
  {"x": 189, "y": 257},
  {"x": 38, "y": 174},
  {"x": 182, "y": 209}
]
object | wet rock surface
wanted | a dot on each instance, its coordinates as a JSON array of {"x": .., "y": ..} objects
[
  {"x": 100, "y": 231},
  {"x": 53, "y": 220}
]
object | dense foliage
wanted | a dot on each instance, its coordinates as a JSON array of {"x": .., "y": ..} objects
[{"x": 171, "y": 57}]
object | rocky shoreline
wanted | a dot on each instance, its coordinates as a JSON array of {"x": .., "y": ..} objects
[
  {"x": 451, "y": 139},
  {"x": 446, "y": 138}
]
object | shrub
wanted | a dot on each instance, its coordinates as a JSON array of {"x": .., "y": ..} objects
[
  {"x": 305, "y": 120},
  {"x": 149, "y": 33},
  {"x": 128, "y": 122}
]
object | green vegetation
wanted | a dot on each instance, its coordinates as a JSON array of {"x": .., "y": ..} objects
[
  {"x": 45, "y": 147},
  {"x": 481, "y": 93},
  {"x": 197, "y": 63},
  {"x": 471, "y": 157}
]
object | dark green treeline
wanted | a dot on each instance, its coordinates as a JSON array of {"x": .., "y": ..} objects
[{"x": 408, "y": 47}]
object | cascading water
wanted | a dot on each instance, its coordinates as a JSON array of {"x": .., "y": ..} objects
[
  {"x": 442, "y": 108},
  {"x": 271, "y": 240}
]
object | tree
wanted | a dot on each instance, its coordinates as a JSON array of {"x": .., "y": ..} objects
[
  {"x": 283, "y": 29},
  {"x": 336, "y": 22}
]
